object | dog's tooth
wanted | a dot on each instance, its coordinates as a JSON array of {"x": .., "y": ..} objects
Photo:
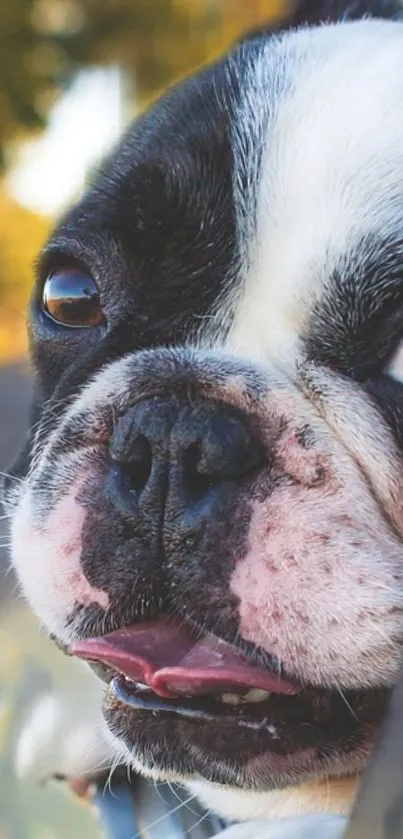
[
  {"x": 253, "y": 695},
  {"x": 231, "y": 698},
  {"x": 134, "y": 685},
  {"x": 256, "y": 695}
]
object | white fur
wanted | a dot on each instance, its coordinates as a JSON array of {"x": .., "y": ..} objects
[
  {"x": 323, "y": 796},
  {"x": 315, "y": 99},
  {"x": 47, "y": 559}
]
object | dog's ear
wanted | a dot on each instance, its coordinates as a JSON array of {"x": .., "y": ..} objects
[
  {"x": 330, "y": 11},
  {"x": 315, "y": 12}
]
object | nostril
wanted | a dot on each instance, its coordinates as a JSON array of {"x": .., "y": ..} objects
[
  {"x": 136, "y": 466},
  {"x": 196, "y": 477},
  {"x": 186, "y": 451},
  {"x": 227, "y": 452}
]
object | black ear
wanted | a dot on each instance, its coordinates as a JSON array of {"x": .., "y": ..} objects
[
  {"x": 330, "y": 11},
  {"x": 314, "y": 12}
]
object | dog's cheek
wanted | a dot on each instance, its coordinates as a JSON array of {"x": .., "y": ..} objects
[
  {"x": 320, "y": 586},
  {"x": 47, "y": 558}
]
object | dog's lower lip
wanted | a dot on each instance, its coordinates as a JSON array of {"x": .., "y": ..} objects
[
  {"x": 313, "y": 709},
  {"x": 139, "y": 698}
]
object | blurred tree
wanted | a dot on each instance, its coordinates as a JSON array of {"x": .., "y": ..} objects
[
  {"x": 44, "y": 42},
  {"x": 21, "y": 235}
]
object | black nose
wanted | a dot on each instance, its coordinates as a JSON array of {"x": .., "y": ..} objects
[{"x": 162, "y": 447}]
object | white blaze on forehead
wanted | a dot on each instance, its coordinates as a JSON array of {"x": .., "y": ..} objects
[{"x": 325, "y": 103}]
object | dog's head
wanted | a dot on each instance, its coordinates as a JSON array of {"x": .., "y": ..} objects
[{"x": 211, "y": 500}]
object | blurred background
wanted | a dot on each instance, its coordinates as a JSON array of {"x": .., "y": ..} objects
[{"x": 72, "y": 74}]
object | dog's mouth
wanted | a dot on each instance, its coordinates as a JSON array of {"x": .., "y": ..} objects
[
  {"x": 160, "y": 666},
  {"x": 172, "y": 662}
]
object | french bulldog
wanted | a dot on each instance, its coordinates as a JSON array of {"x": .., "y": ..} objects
[{"x": 209, "y": 506}]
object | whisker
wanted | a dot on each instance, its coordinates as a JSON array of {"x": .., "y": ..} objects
[
  {"x": 15, "y": 593},
  {"x": 385, "y": 637},
  {"x": 8, "y": 571},
  {"x": 345, "y": 700},
  {"x": 102, "y": 763},
  {"x": 108, "y": 782},
  {"x": 174, "y": 791},
  {"x": 205, "y": 815},
  {"x": 13, "y": 477},
  {"x": 160, "y": 796},
  {"x": 167, "y": 815}
]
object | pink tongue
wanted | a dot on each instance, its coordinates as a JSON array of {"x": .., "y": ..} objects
[{"x": 166, "y": 657}]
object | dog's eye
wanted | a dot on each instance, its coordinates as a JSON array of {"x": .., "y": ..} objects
[{"x": 71, "y": 297}]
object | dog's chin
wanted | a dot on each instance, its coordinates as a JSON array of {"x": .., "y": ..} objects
[{"x": 263, "y": 745}]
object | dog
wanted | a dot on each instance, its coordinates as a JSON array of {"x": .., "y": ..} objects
[{"x": 209, "y": 505}]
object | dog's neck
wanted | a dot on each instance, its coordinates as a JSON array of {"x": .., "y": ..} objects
[{"x": 334, "y": 795}]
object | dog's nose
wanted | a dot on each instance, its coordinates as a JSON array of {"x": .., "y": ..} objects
[{"x": 162, "y": 447}]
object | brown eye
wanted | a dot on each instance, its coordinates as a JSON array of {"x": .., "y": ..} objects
[{"x": 71, "y": 298}]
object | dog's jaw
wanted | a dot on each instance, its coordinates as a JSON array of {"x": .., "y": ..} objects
[{"x": 333, "y": 795}]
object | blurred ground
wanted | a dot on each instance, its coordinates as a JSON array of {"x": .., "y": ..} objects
[
  {"x": 14, "y": 400},
  {"x": 30, "y": 665}
]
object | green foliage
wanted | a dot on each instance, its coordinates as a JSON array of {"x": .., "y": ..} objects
[
  {"x": 22, "y": 234},
  {"x": 44, "y": 42},
  {"x": 20, "y": 82}
]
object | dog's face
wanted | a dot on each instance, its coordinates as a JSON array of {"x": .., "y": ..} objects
[{"x": 215, "y": 462}]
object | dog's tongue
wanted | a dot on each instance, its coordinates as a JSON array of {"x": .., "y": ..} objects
[{"x": 171, "y": 661}]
